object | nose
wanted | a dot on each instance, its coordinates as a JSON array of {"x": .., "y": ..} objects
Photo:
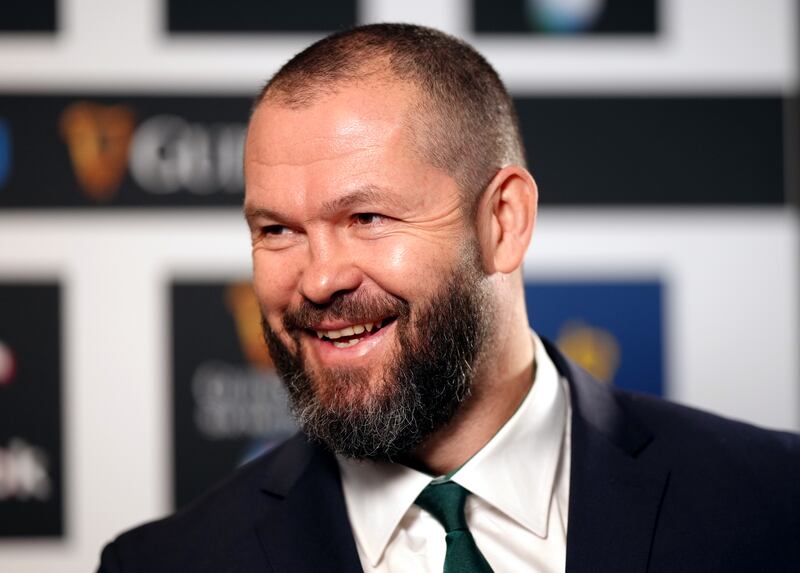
[{"x": 331, "y": 270}]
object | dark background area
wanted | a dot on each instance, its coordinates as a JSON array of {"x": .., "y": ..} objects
[{"x": 206, "y": 16}]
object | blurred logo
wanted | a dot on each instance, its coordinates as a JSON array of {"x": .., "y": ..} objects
[
  {"x": 237, "y": 401},
  {"x": 170, "y": 154},
  {"x": 563, "y": 16},
  {"x": 232, "y": 402},
  {"x": 98, "y": 138},
  {"x": 5, "y": 152},
  {"x": 613, "y": 329},
  {"x": 243, "y": 306},
  {"x": 595, "y": 349},
  {"x": 8, "y": 364},
  {"x": 24, "y": 472},
  {"x": 165, "y": 153}
]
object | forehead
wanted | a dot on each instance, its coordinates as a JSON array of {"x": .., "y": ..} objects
[
  {"x": 353, "y": 117},
  {"x": 357, "y": 137}
]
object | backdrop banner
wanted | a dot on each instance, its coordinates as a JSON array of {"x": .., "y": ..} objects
[
  {"x": 637, "y": 18},
  {"x": 31, "y": 461},
  {"x": 228, "y": 403},
  {"x": 257, "y": 16},
  {"x": 121, "y": 151},
  {"x": 614, "y": 329}
]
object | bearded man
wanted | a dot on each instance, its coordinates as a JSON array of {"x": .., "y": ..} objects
[{"x": 390, "y": 210}]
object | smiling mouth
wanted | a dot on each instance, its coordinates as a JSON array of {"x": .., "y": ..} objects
[{"x": 353, "y": 334}]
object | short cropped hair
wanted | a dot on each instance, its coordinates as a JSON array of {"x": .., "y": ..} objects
[{"x": 470, "y": 127}]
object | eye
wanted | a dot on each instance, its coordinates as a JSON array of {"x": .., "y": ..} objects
[
  {"x": 274, "y": 230},
  {"x": 276, "y": 236},
  {"x": 368, "y": 218}
]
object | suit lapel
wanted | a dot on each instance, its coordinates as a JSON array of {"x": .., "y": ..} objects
[
  {"x": 615, "y": 489},
  {"x": 307, "y": 529}
]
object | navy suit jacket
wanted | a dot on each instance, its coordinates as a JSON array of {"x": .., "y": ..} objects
[{"x": 654, "y": 487}]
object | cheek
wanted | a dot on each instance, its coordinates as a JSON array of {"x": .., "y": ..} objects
[
  {"x": 405, "y": 268},
  {"x": 274, "y": 281}
]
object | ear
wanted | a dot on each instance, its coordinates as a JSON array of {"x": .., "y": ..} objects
[{"x": 506, "y": 217}]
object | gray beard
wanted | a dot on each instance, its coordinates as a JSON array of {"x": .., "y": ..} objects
[{"x": 427, "y": 380}]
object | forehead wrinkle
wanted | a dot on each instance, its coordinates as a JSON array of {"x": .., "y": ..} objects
[
  {"x": 302, "y": 163},
  {"x": 365, "y": 194}
]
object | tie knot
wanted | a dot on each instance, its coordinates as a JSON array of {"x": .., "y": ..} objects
[{"x": 445, "y": 501}]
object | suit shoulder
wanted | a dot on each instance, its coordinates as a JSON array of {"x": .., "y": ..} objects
[
  {"x": 671, "y": 416},
  {"x": 728, "y": 485},
  {"x": 215, "y": 521},
  {"x": 699, "y": 436}
]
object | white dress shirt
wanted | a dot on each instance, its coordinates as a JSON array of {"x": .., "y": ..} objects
[{"x": 520, "y": 482}]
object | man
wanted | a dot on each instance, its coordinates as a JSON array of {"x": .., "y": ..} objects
[{"x": 390, "y": 211}]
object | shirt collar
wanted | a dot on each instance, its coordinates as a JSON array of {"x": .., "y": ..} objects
[
  {"x": 378, "y": 495},
  {"x": 514, "y": 472}
]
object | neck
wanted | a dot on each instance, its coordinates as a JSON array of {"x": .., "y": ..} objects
[{"x": 500, "y": 386}]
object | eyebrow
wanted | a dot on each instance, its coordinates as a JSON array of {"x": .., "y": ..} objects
[
  {"x": 367, "y": 194},
  {"x": 251, "y": 213}
]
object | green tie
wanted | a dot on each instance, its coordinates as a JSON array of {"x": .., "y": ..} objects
[{"x": 445, "y": 502}]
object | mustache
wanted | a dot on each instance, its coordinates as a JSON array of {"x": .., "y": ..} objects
[{"x": 352, "y": 307}]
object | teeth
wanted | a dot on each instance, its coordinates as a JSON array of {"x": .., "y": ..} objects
[
  {"x": 347, "y": 344},
  {"x": 348, "y": 331}
]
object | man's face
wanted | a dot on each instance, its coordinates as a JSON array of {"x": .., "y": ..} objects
[{"x": 365, "y": 268}]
